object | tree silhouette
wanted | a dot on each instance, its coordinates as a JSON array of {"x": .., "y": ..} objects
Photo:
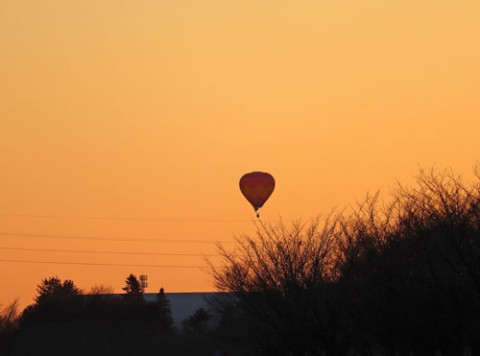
[
  {"x": 8, "y": 324},
  {"x": 101, "y": 290},
  {"x": 164, "y": 310},
  {"x": 133, "y": 289},
  {"x": 55, "y": 300},
  {"x": 283, "y": 278},
  {"x": 197, "y": 323},
  {"x": 53, "y": 289},
  {"x": 413, "y": 267},
  {"x": 398, "y": 278},
  {"x": 402, "y": 276}
]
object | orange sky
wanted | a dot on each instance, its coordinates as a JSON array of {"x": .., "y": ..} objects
[{"x": 136, "y": 120}]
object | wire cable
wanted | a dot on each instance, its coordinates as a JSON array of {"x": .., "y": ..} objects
[
  {"x": 101, "y": 264},
  {"x": 121, "y": 218},
  {"x": 102, "y": 238},
  {"x": 108, "y": 252}
]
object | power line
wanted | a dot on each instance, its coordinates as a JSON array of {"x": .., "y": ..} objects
[
  {"x": 101, "y": 264},
  {"x": 102, "y": 238},
  {"x": 121, "y": 218},
  {"x": 108, "y": 252}
]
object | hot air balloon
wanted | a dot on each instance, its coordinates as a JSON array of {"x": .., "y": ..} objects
[{"x": 257, "y": 188}]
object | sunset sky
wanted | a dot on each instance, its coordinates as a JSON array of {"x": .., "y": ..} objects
[{"x": 124, "y": 121}]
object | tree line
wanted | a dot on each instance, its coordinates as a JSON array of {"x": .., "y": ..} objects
[
  {"x": 64, "y": 321},
  {"x": 396, "y": 278},
  {"x": 387, "y": 278}
]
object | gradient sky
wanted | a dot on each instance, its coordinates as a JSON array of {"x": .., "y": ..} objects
[{"x": 136, "y": 119}]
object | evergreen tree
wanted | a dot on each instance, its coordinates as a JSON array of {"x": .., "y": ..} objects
[
  {"x": 55, "y": 300},
  {"x": 165, "y": 310},
  {"x": 132, "y": 288},
  {"x": 51, "y": 289}
]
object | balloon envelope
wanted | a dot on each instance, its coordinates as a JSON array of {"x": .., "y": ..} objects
[{"x": 257, "y": 188}]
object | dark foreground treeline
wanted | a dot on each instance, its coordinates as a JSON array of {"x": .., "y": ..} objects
[
  {"x": 401, "y": 278},
  {"x": 388, "y": 279},
  {"x": 63, "y": 321}
]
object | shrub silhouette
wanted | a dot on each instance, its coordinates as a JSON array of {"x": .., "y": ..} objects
[
  {"x": 401, "y": 277},
  {"x": 8, "y": 325}
]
